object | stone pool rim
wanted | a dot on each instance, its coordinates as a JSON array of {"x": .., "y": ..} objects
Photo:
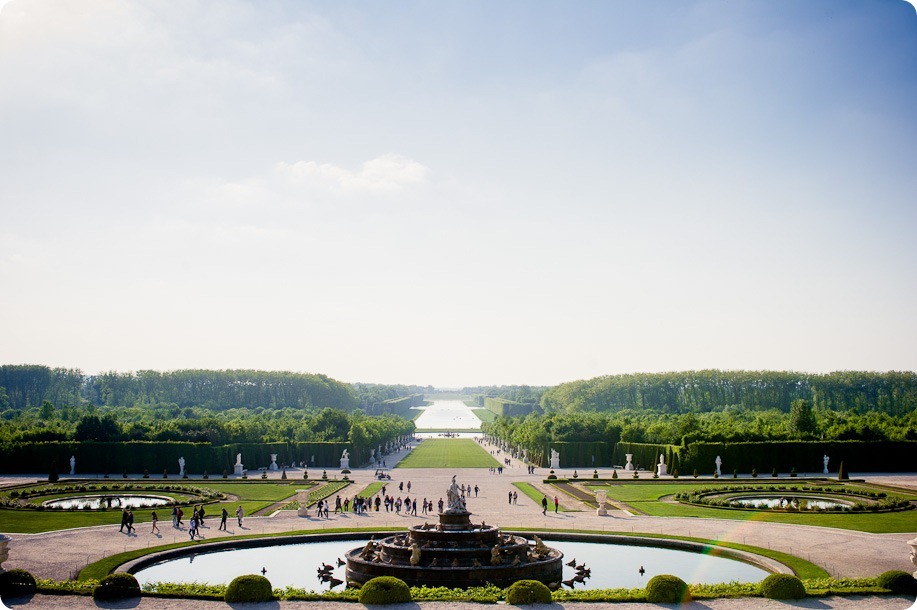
[
  {"x": 765, "y": 563},
  {"x": 168, "y": 501}
]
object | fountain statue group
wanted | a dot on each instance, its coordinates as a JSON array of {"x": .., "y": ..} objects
[{"x": 455, "y": 553}]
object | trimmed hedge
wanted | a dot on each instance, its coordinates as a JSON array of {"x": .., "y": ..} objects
[
  {"x": 119, "y": 585},
  {"x": 249, "y": 588},
  {"x": 897, "y": 581},
  {"x": 385, "y": 590},
  {"x": 667, "y": 589},
  {"x": 140, "y": 456},
  {"x": 580, "y": 454},
  {"x": 16, "y": 583},
  {"x": 524, "y": 592},
  {"x": 507, "y": 408},
  {"x": 782, "y": 586}
]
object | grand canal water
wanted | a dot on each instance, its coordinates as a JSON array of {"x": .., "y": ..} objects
[{"x": 448, "y": 415}]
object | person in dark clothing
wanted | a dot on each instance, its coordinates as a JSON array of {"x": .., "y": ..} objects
[
  {"x": 223, "y": 517},
  {"x": 544, "y": 505},
  {"x": 124, "y": 520}
]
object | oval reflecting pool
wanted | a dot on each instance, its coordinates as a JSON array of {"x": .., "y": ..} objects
[
  {"x": 109, "y": 501},
  {"x": 791, "y": 502},
  {"x": 295, "y": 565}
]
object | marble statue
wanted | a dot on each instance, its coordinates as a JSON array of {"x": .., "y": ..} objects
[
  {"x": 719, "y": 464},
  {"x": 825, "y": 460},
  {"x": 630, "y": 464},
  {"x": 454, "y": 497},
  {"x": 660, "y": 468},
  {"x": 273, "y": 465},
  {"x": 415, "y": 554},
  {"x": 238, "y": 470},
  {"x": 555, "y": 459},
  {"x": 181, "y": 466},
  {"x": 72, "y": 465}
]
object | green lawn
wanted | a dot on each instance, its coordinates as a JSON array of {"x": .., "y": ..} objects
[
  {"x": 485, "y": 415},
  {"x": 536, "y": 495},
  {"x": 448, "y": 453},
  {"x": 253, "y": 496},
  {"x": 644, "y": 497}
]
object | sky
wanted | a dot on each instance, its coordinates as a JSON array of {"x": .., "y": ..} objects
[{"x": 457, "y": 193}]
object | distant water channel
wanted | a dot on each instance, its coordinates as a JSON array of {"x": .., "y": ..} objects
[{"x": 447, "y": 415}]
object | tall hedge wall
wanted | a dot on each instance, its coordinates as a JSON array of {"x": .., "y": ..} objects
[
  {"x": 507, "y": 408},
  {"x": 646, "y": 455},
  {"x": 580, "y": 454},
  {"x": 805, "y": 457},
  {"x": 155, "y": 457},
  {"x": 400, "y": 406}
]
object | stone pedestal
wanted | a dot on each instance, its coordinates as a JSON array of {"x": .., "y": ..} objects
[
  {"x": 4, "y": 549},
  {"x": 345, "y": 463},
  {"x": 629, "y": 465},
  {"x": 273, "y": 465},
  {"x": 555, "y": 463},
  {"x": 913, "y": 545},
  {"x": 239, "y": 470},
  {"x": 302, "y": 496},
  {"x": 661, "y": 469},
  {"x": 600, "y": 497}
]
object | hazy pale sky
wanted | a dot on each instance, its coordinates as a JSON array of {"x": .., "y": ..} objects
[{"x": 459, "y": 192}]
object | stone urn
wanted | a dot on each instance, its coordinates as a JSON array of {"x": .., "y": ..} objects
[
  {"x": 600, "y": 497},
  {"x": 302, "y": 496}
]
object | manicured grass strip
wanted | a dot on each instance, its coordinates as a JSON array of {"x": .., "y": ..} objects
[
  {"x": 485, "y": 415},
  {"x": 448, "y": 453},
  {"x": 536, "y": 496},
  {"x": 373, "y": 488}
]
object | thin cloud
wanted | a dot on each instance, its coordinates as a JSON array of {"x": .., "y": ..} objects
[{"x": 389, "y": 172}]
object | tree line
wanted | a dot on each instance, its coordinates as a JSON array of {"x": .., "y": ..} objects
[
  {"x": 894, "y": 393},
  {"x": 23, "y": 386}
]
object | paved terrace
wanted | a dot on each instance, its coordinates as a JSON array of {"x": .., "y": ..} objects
[{"x": 60, "y": 555}]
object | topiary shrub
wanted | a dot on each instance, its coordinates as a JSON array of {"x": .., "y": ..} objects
[
  {"x": 782, "y": 586},
  {"x": 249, "y": 588},
  {"x": 842, "y": 473},
  {"x": 120, "y": 585},
  {"x": 384, "y": 590},
  {"x": 16, "y": 583},
  {"x": 897, "y": 581},
  {"x": 524, "y": 592},
  {"x": 667, "y": 589}
]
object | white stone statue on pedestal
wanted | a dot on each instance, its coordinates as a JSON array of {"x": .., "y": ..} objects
[
  {"x": 555, "y": 459},
  {"x": 630, "y": 464},
  {"x": 273, "y": 465},
  {"x": 181, "y": 466},
  {"x": 660, "y": 468},
  {"x": 345, "y": 460},
  {"x": 239, "y": 470},
  {"x": 454, "y": 498},
  {"x": 72, "y": 465},
  {"x": 719, "y": 464},
  {"x": 825, "y": 460}
]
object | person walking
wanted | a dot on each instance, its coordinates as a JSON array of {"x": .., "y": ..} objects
[
  {"x": 544, "y": 505},
  {"x": 174, "y": 516},
  {"x": 475, "y": 490},
  {"x": 155, "y": 519},
  {"x": 200, "y": 516},
  {"x": 239, "y": 514},
  {"x": 130, "y": 521},
  {"x": 556, "y": 504},
  {"x": 515, "y": 497},
  {"x": 409, "y": 487},
  {"x": 123, "y": 521},
  {"x": 223, "y": 517},
  {"x": 179, "y": 515},
  {"x": 192, "y": 526},
  {"x": 509, "y": 495}
]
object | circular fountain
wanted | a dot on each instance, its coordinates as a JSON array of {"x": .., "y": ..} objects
[{"x": 455, "y": 553}]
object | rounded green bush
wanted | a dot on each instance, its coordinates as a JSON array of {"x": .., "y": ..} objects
[
  {"x": 524, "y": 592},
  {"x": 782, "y": 586},
  {"x": 385, "y": 590},
  {"x": 16, "y": 583},
  {"x": 667, "y": 589},
  {"x": 120, "y": 585},
  {"x": 897, "y": 581},
  {"x": 249, "y": 588}
]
